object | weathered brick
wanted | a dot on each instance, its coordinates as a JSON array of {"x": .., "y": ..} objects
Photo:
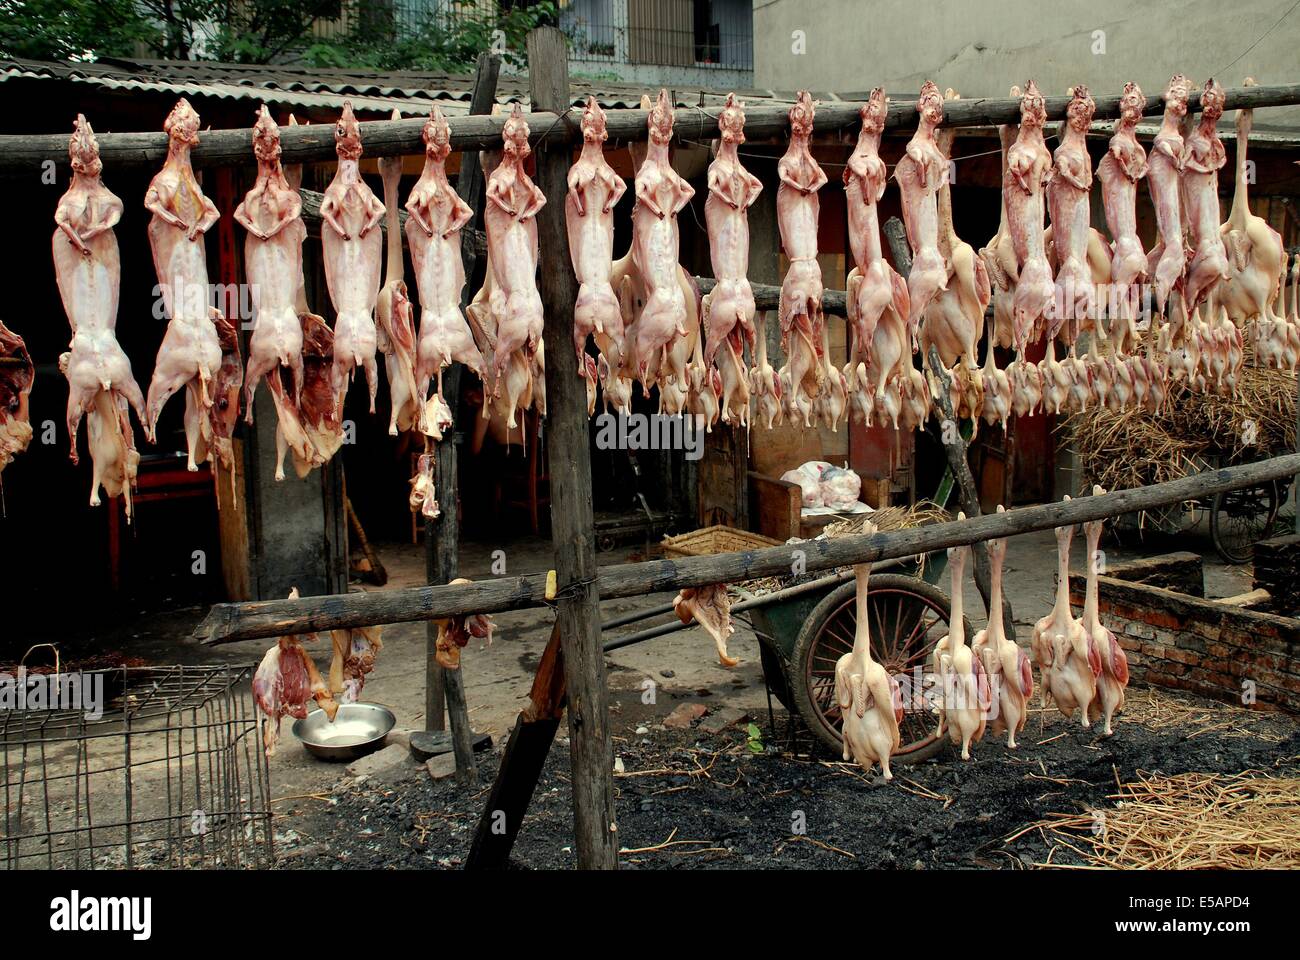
[{"x": 1136, "y": 628}]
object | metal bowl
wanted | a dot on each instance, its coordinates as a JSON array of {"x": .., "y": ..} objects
[{"x": 358, "y": 729}]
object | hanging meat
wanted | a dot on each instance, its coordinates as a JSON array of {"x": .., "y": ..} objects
[
  {"x": 352, "y": 250},
  {"x": 965, "y": 696},
  {"x": 594, "y": 191},
  {"x": 513, "y": 201},
  {"x": 1113, "y": 677},
  {"x": 318, "y": 410},
  {"x": 1166, "y": 262},
  {"x": 1256, "y": 260},
  {"x": 1029, "y": 166},
  {"x": 728, "y": 309},
  {"x": 1026, "y": 381},
  {"x": 873, "y": 286},
  {"x": 710, "y": 607},
  {"x": 394, "y": 317},
  {"x": 1068, "y": 189},
  {"x": 955, "y": 317},
  {"x": 921, "y": 171},
  {"x": 1058, "y": 623},
  {"x": 1124, "y": 164},
  {"x": 271, "y": 213},
  {"x": 800, "y": 304},
  {"x": 1074, "y": 661},
  {"x": 354, "y": 657},
  {"x": 17, "y": 374},
  {"x": 89, "y": 272},
  {"x": 995, "y": 385},
  {"x": 1011, "y": 680},
  {"x": 833, "y": 400},
  {"x": 454, "y": 634},
  {"x": 436, "y": 217},
  {"x": 870, "y": 701},
  {"x": 190, "y": 354},
  {"x": 764, "y": 385},
  {"x": 999, "y": 255},
  {"x": 216, "y": 441},
  {"x": 1203, "y": 158},
  {"x": 704, "y": 390},
  {"x": 284, "y": 681},
  {"x": 654, "y": 273}
]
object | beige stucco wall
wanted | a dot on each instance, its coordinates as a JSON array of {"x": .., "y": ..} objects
[{"x": 981, "y": 47}]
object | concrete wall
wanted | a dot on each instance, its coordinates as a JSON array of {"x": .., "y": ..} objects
[{"x": 981, "y": 47}]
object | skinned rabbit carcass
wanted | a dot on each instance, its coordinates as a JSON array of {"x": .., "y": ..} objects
[
  {"x": 1011, "y": 679},
  {"x": 88, "y": 269},
  {"x": 873, "y": 286},
  {"x": 728, "y": 309},
  {"x": 921, "y": 171},
  {"x": 652, "y": 275},
  {"x": 512, "y": 203},
  {"x": 1119, "y": 171},
  {"x": 394, "y": 317},
  {"x": 1067, "y": 199},
  {"x": 1203, "y": 158},
  {"x": 436, "y": 216},
  {"x": 1166, "y": 261},
  {"x": 1029, "y": 167},
  {"x": 955, "y": 317},
  {"x": 271, "y": 213},
  {"x": 594, "y": 190},
  {"x": 191, "y": 350},
  {"x": 870, "y": 701},
  {"x": 800, "y": 308},
  {"x": 352, "y": 251},
  {"x": 999, "y": 255}
]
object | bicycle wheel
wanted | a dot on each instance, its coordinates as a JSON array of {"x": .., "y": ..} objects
[{"x": 1239, "y": 519}]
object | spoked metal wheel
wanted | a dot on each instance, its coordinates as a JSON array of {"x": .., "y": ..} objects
[
  {"x": 1239, "y": 519},
  {"x": 908, "y": 617}
]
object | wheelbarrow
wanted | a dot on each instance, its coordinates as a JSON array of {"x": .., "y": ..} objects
[{"x": 804, "y": 629}]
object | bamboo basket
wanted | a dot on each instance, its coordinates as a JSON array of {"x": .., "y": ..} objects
[{"x": 715, "y": 539}]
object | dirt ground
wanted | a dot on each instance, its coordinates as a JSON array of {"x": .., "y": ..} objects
[
  {"x": 687, "y": 799},
  {"x": 744, "y": 805}
]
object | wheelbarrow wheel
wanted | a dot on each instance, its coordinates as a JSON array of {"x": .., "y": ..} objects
[{"x": 908, "y": 617}]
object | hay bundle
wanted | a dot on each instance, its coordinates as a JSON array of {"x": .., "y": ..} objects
[
  {"x": 1194, "y": 821},
  {"x": 1134, "y": 448},
  {"x": 922, "y": 513}
]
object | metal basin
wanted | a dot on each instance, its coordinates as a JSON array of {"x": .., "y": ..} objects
[{"x": 358, "y": 729}]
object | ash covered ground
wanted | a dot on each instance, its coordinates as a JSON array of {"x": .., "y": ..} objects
[{"x": 691, "y": 799}]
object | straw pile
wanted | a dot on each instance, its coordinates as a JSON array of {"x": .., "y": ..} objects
[
  {"x": 1194, "y": 821},
  {"x": 1158, "y": 709},
  {"x": 1134, "y": 448},
  {"x": 922, "y": 513}
]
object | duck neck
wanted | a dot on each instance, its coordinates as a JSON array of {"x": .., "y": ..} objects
[
  {"x": 1090, "y": 592},
  {"x": 1062, "y": 607},
  {"x": 956, "y": 634},
  {"x": 862, "y": 634}
]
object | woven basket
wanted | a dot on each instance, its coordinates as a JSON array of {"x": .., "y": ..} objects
[{"x": 715, "y": 539}]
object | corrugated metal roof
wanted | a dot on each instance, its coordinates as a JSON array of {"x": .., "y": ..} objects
[{"x": 410, "y": 93}]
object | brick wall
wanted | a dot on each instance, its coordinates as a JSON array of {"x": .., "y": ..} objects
[{"x": 1177, "y": 640}]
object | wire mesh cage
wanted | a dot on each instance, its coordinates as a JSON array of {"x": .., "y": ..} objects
[{"x": 135, "y": 767}]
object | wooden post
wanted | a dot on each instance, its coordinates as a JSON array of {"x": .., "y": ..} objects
[
  {"x": 521, "y": 763},
  {"x": 957, "y": 451},
  {"x": 442, "y": 537},
  {"x": 572, "y": 522}
]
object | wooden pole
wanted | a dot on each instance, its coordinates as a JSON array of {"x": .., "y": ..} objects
[
  {"x": 521, "y": 763},
  {"x": 230, "y": 622},
  {"x": 957, "y": 452},
  {"x": 21, "y": 153},
  {"x": 591, "y": 747},
  {"x": 442, "y": 536}
]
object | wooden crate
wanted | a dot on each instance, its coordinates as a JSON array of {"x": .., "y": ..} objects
[{"x": 715, "y": 539}]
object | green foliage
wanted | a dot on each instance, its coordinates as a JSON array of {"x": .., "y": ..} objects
[
  {"x": 71, "y": 29},
  {"x": 754, "y": 738},
  {"x": 362, "y": 34}
]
